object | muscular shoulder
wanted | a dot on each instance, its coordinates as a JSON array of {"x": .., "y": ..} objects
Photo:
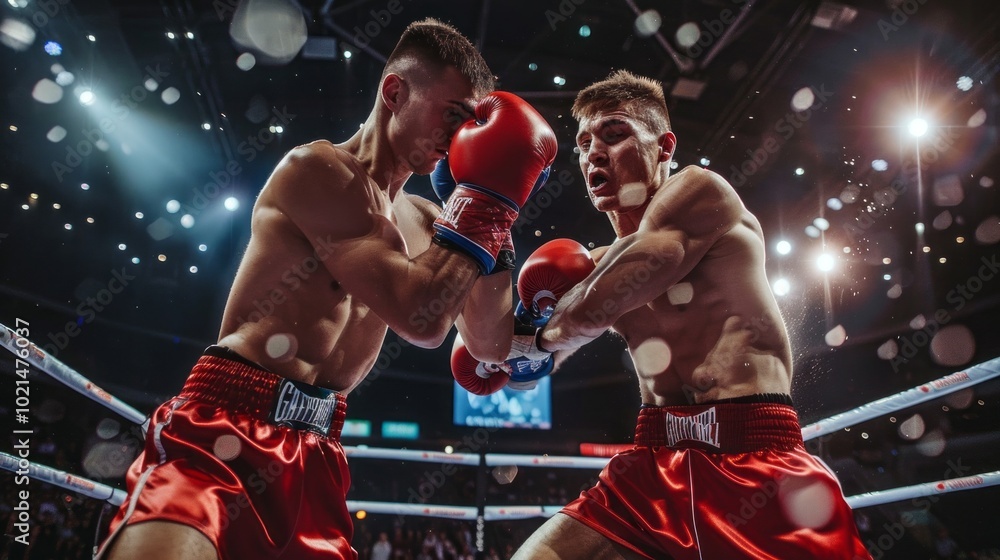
[
  {"x": 319, "y": 186},
  {"x": 696, "y": 200},
  {"x": 426, "y": 209}
]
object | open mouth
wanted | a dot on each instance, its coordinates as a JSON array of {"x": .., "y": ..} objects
[{"x": 597, "y": 180}]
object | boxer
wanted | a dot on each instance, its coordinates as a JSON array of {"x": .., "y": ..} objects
[
  {"x": 719, "y": 469},
  {"x": 246, "y": 462}
]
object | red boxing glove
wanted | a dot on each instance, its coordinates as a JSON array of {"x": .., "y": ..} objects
[
  {"x": 476, "y": 377},
  {"x": 496, "y": 161},
  {"x": 551, "y": 271}
]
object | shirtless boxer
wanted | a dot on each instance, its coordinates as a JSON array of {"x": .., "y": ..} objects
[
  {"x": 246, "y": 462},
  {"x": 719, "y": 470}
]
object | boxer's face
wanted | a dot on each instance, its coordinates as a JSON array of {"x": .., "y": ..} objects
[
  {"x": 435, "y": 107},
  {"x": 619, "y": 159}
]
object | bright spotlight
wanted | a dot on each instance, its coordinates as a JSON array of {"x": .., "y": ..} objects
[
  {"x": 170, "y": 35},
  {"x": 880, "y": 165},
  {"x": 53, "y": 48},
  {"x": 783, "y": 247},
  {"x": 187, "y": 221},
  {"x": 964, "y": 83},
  {"x": 824, "y": 262},
  {"x": 559, "y": 81},
  {"x": 781, "y": 287},
  {"x": 202, "y": 247},
  {"x": 87, "y": 97},
  {"x": 348, "y": 54},
  {"x": 705, "y": 161},
  {"x": 834, "y": 204},
  {"x": 821, "y": 224},
  {"x": 206, "y": 126},
  {"x": 800, "y": 171},
  {"x": 232, "y": 204},
  {"x": 918, "y": 127},
  {"x": 173, "y": 206},
  {"x": 584, "y": 31}
]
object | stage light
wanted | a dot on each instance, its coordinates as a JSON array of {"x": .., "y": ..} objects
[
  {"x": 783, "y": 247},
  {"x": 348, "y": 55},
  {"x": 559, "y": 81},
  {"x": 800, "y": 171},
  {"x": 85, "y": 186},
  {"x": 584, "y": 31},
  {"x": 919, "y": 227},
  {"x": 232, "y": 203},
  {"x": 170, "y": 35},
  {"x": 187, "y": 221},
  {"x": 880, "y": 165},
  {"x": 834, "y": 204},
  {"x": 138, "y": 215},
  {"x": 206, "y": 126},
  {"x": 135, "y": 260},
  {"x": 647, "y": 23},
  {"x": 202, "y": 247},
  {"x": 189, "y": 35},
  {"x": 821, "y": 224},
  {"x": 170, "y": 95},
  {"x": 705, "y": 161},
  {"x": 825, "y": 262},
  {"x": 532, "y": 66},
  {"x": 964, "y": 83},
  {"x": 687, "y": 35},
  {"x": 173, "y": 206},
  {"x": 781, "y": 287},
  {"x": 449, "y": 449},
  {"x": 161, "y": 257},
  {"x": 122, "y": 247},
  {"x": 87, "y": 97},
  {"x": 803, "y": 99},
  {"x": 68, "y": 226},
  {"x": 918, "y": 127},
  {"x": 193, "y": 269},
  {"x": 246, "y": 61},
  {"x": 53, "y": 48},
  {"x": 91, "y": 38}
]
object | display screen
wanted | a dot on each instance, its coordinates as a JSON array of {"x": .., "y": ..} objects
[{"x": 506, "y": 408}]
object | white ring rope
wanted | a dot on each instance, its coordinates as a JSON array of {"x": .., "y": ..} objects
[
  {"x": 420, "y": 510},
  {"x": 28, "y": 351},
  {"x": 84, "y": 486},
  {"x": 361, "y": 452},
  {"x": 910, "y": 397},
  {"x": 926, "y": 489},
  {"x": 554, "y": 461}
]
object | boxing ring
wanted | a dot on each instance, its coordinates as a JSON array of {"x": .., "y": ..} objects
[{"x": 26, "y": 352}]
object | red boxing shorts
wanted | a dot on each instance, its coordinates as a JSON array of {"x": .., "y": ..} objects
[
  {"x": 720, "y": 480},
  {"x": 248, "y": 458}
]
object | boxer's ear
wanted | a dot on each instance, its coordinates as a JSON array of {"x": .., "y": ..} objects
[
  {"x": 667, "y": 143},
  {"x": 393, "y": 91}
]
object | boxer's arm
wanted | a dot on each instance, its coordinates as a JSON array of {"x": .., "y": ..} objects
[
  {"x": 336, "y": 210},
  {"x": 487, "y": 319},
  {"x": 685, "y": 218}
]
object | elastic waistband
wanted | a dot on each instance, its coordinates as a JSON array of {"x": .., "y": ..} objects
[
  {"x": 237, "y": 385},
  {"x": 720, "y": 427}
]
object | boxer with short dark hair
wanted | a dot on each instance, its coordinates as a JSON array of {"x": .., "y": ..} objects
[
  {"x": 246, "y": 462},
  {"x": 719, "y": 468}
]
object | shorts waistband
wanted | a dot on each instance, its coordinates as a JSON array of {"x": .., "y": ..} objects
[
  {"x": 719, "y": 427},
  {"x": 240, "y": 386}
]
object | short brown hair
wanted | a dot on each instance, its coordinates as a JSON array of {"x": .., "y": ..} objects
[
  {"x": 430, "y": 41},
  {"x": 624, "y": 90}
]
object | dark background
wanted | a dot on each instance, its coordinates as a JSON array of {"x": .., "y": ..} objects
[{"x": 873, "y": 65}]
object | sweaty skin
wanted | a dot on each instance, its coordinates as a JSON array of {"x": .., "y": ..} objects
[
  {"x": 338, "y": 253},
  {"x": 684, "y": 284}
]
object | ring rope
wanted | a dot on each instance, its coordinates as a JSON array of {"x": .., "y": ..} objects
[
  {"x": 420, "y": 510},
  {"x": 87, "y": 487},
  {"x": 910, "y": 397},
  {"x": 28, "y": 351},
  {"x": 362, "y": 452},
  {"x": 975, "y": 481}
]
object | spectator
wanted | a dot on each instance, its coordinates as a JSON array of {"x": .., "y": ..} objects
[{"x": 382, "y": 549}]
